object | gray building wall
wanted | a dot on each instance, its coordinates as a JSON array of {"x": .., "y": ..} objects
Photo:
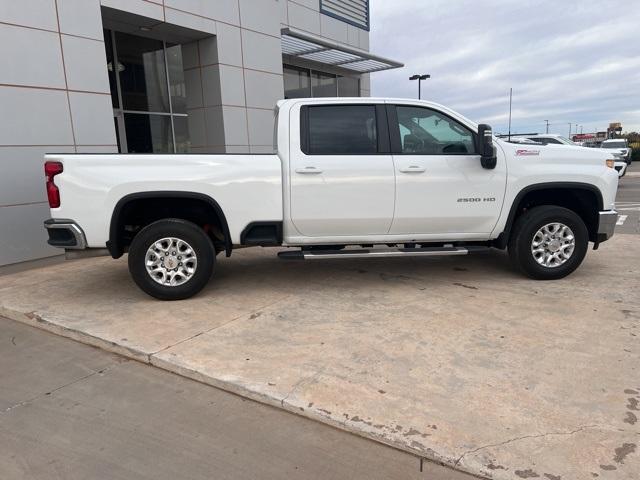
[{"x": 55, "y": 95}]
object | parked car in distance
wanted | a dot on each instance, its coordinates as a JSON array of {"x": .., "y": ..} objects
[
  {"x": 352, "y": 178},
  {"x": 619, "y": 148},
  {"x": 546, "y": 139}
]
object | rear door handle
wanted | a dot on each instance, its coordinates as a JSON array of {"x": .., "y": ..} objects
[
  {"x": 413, "y": 169},
  {"x": 308, "y": 170}
]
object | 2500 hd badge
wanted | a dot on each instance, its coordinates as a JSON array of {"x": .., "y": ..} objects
[{"x": 476, "y": 199}]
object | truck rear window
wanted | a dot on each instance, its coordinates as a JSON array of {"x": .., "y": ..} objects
[{"x": 341, "y": 130}]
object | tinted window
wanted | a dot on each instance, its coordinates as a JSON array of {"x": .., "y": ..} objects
[
  {"x": 323, "y": 84},
  {"x": 348, "y": 87},
  {"x": 427, "y": 132},
  {"x": 297, "y": 83},
  {"x": 148, "y": 133},
  {"x": 143, "y": 77},
  {"x": 342, "y": 130}
]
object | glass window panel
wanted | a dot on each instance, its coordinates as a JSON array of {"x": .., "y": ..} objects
[
  {"x": 342, "y": 129},
  {"x": 296, "y": 82},
  {"x": 427, "y": 132},
  {"x": 143, "y": 77},
  {"x": 148, "y": 133},
  {"x": 323, "y": 85},
  {"x": 111, "y": 67},
  {"x": 180, "y": 125},
  {"x": 177, "y": 86},
  {"x": 115, "y": 120},
  {"x": 348, "y": 87}
]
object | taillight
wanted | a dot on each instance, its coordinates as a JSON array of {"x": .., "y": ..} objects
[{"x": 51, "y": 169}]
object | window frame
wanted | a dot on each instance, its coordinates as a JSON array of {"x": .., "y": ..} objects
[
  {"x": 382, "y": 129},
  {"x": 396, "y": 141}
]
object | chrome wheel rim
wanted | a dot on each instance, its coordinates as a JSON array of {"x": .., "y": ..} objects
[
  {"x": 553, "y": 244},
  {"x": 171, "y": 261}
]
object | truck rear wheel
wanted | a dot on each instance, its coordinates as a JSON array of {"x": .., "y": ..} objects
[
  {"x": 171, "y": 259},
  {"x": 548, "y": 242}
]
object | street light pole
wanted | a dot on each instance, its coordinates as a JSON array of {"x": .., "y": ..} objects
[
  {"x": 419, "y": 78},
  {"x": 547, "y": 131}
]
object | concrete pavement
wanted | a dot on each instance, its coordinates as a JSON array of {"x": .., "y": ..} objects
[
  {"x": 628, "y": 201},
  {"x": 69, "y": 411},
  {"x": 458, "y": 359}
]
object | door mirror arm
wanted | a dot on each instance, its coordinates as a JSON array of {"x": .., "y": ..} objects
[{"x": 488, "y": 158}]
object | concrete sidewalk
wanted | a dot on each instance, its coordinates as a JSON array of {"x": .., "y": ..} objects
[
  {"x": 70, "y": 411},
  {"x": 459, "y": 360}
]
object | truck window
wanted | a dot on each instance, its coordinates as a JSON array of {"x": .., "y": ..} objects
[
  {"x": 342, "y": 130},
  {"x": 424, "y": 131}
]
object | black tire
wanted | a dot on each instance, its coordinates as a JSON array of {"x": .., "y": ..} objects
[
  {"x": 188, "y": 232},
  {"x": 525, "y": 229}
]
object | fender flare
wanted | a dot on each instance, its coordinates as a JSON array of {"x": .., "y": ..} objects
[
  {"x": 502, "y": 239},
  {"x": 116, "y": 249}
]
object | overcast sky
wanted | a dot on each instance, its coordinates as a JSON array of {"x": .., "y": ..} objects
[{"x": 567, "y": 61}]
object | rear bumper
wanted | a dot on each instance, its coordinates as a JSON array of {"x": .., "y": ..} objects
[
  {"x": 64, "y": 233},
  {"x": 606, "y": 224}
]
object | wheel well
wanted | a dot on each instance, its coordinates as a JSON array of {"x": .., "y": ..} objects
[
  {"x": 583, "y": 200},
  {"x": 136, "y": 211}
]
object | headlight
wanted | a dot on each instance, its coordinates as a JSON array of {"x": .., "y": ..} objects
[{"x": 611, "y": 162}]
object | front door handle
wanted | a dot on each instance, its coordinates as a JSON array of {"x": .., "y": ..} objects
[
  {"x": 308, "y": 170},
  {"x": 413, "y": 169}
]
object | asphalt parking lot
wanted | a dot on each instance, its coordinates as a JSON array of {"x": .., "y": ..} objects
[{"x": 628, "y": 201}]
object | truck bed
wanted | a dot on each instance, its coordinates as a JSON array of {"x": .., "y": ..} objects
[{"x": 92, "y": 184}]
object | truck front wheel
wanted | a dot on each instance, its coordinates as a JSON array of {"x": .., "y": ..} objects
[
  {"x": 171, "y": 259},
  {"x": 548, "y": 242}
]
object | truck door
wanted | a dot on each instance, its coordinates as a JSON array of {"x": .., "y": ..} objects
[
  {"x": 441, "y": 187},
  {"x": 342, "y": 176}
]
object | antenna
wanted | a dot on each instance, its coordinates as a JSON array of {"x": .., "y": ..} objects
[{"x": 510, "y": 95}]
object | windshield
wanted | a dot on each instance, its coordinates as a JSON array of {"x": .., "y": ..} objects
[{"x": 619, "y": 144}]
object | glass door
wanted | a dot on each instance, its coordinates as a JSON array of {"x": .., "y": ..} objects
[{"x": 148, "y": 94}]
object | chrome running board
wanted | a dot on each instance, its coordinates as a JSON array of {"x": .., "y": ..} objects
[{"x": 376, "y": 253}]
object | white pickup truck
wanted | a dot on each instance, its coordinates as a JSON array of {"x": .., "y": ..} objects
[{"x": 356, "y": 177}]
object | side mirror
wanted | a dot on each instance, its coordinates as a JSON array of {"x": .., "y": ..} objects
[{"x": 486, "y": 149}]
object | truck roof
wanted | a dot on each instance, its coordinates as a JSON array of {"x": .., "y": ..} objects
[{"x": 376, "y": 100}]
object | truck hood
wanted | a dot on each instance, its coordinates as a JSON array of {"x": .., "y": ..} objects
[{"x": 560, "y": 153}]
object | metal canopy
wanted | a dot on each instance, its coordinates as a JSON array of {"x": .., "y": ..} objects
[{"x": 305, "y": 46}]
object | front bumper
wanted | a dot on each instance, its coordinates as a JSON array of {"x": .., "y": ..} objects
[
  {"x": 606, "y": 224},
  {"x": 64, "y": 233}
]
